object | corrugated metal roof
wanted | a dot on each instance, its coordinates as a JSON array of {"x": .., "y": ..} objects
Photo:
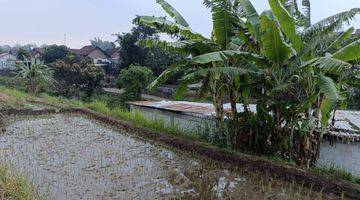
[
  {"x": 345, "y": 127},
  {"x": 186, "y": 107}
]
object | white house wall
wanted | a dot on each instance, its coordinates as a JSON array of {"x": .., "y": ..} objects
[{"x": 341, "y": 155}]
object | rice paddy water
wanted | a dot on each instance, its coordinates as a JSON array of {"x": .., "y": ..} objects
[{"x": 73, "y": 157}]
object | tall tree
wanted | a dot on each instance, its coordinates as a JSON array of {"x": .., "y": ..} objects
[
  {"x": 55, "y": 52},
  {"x": 131, "y": 53}
]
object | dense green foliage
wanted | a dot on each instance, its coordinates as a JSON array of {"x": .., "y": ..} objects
[
  {"x": 75, "y": 77},
  {"x": 34, "y": 74},
  {"x": 276, "y": 60},
  {"x": 133, "y": 54},
  {"x": 55, "y": 52},
  {"x": 23, "y": 54},
  {"x": 134, "y": 80}
]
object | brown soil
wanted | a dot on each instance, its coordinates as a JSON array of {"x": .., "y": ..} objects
[
  {"x": 4, "y": 97},
  {"x": 287, "y": 173}
]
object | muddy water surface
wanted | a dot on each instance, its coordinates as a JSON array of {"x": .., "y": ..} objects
[{"x": 72, "y": 157}]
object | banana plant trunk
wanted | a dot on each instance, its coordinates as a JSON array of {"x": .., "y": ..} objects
[
  {"x": 219, "y": 115},
  {"x": 31, "y": 86}
]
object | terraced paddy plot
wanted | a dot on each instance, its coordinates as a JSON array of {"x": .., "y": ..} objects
[{"x": 73, "y": 157}]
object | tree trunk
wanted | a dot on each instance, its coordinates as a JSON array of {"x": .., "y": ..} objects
[
  {"x": 219, "y": 115},
  {"x": 31, "y": 86}
]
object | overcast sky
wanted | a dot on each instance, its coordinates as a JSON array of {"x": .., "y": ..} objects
[{"x": 47, "y": 21}]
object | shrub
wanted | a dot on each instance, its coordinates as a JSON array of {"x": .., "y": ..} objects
[
  {"x": 54, "y": 52},
  {"x": 75, "y": 77},
  {"x": 134, "y": 80},
  {"x": 22, "y": 54},
  {"x": 99, "y": 106},
  {"x": 35, "y": 74}
]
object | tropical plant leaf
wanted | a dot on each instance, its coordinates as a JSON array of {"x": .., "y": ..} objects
[
  {"x": 273, "y": 46},
  {"x": 349, "y": 53},
  {"x": 193, "y": 47},
  {"x": 290, "y": 5},
  {"x": 332, "y": 23},
  {"x": 223, "y": 21},
  {"x": 328, "y": 88},
  {"x": 344, "y": 36},
  {"x": 309, "y": 124},
  {"x": 329, "y": 65},
  {"x": 230, "y": 71},
  {"x": 173, "y": 13},
  {"x": 168, "y": 73},
  {"x": 180, "y": 90},
  {"x": 326, "y": 108},
  {"x": 331, "y": 98},
  {"x": 307, "y": 103},
  {"x": 252, "y": 18},
  {"x": 175, "y": 47},
  {"x": 287, "y": 23},
  {"x": 218, "y": 56},
  {"x": 307, "y": 12},
  {"x": 169, "y": 27}
]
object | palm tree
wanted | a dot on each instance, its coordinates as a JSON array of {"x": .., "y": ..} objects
[{"x": 34, "y": 72}]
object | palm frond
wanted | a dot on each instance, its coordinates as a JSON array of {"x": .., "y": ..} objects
[
  {"x": 252, "y": 17},
  {"x": 173, "y": 13},
  {"x": 349, "y": 53},
  {"x": 344, "y": 36},
  {"x": 332, "y": 23},
  {"x": 169, "y": 27},
  {"x": 307, "y": 12},
  {"x": 330, "y": 65},
  {"x": 193, "y": 47},
  {"x": 224, "y": 19},
  {"x": 229, "y": 71},
  {"x": 328, "y": 88},
  {"x": 274, "y": 47},
  {"x": 168, "y": 73},
  {"x": 218, "y": 56},
  {"x": 287, "y": 23}
]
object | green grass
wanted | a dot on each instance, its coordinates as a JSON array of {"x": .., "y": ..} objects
[
  {"x": 12, "y": 97},
  {"x": 18, "y": 98},
  {"x": 61, "y": 101},
  {"x": 17, "y": 187},
  {"x": 138, "y": 119},
  {"x": 17, "y": 94},
  {"x": 336, "y": 173}
]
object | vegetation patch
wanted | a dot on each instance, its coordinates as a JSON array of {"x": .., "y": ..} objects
[{"x": 16, "y": 187}]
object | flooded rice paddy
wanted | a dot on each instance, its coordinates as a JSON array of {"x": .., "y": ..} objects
[{"x": 73, "y": 157}]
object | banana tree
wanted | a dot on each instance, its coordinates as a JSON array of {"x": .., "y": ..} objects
[
  {"x": 34, "y": 73},
  {"x": 300, "y": 77},
  {"x": 213, "y": 81},
  {"x": 294, "y": 74}
]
